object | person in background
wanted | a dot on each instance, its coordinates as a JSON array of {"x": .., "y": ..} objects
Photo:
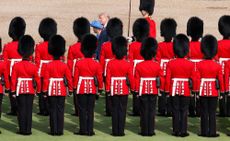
[
  {"x": 104, "y": 19},
  {"x": 164, "y": 55},
  {"x": 81, "y": 27},
  {"x": 97, "y": 28},
  {"x": 47, "y": 28},
  {"x": 113, "y": 29},
  {"x": 25, "y": 83},
  {"x": 224, "y": 55},
  {"x": 4, "y": 79},
  {"x": 10, "y": 53},
  {"x": 146, "y": 8},
  {"x": 140, "y": 32},
  {"x": 195, "y": 30}
]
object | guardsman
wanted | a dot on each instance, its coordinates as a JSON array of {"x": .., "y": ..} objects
[
  {"x": 114, "y": 28},
  {"x": 88, "y": 82},
  {"x": 147, "y": 8},
  {"x": 118, "y": 80},
  {"x": 4, "y": 79},
  {"x": 25, "y": 83},
  {"x": 179, "y": 74},
  {"x": 147, "y": 82},
  {"x": 140, "y": 32},
  {"x": 56, "y": 77},
  {"x": 81, "y": 26},
  {"x": 223, "y": 55},
  {"x": 164, "y": 55},
  {"x": 47, "y": 28},
  {"x": 10, "y": 53},
  {"x": 209, "y": 82},
  {"x": 195, "y": 30}
]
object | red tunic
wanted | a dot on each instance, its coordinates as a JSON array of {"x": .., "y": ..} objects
[
  {"x": 54, "y": 78},
  {"x": 10, "y": 52},
  {"x": 116, "y": 79},
  {"x": 106, "y": 55},
  {"x": 4, "y": 72},
  {"x": 23, "y": 74},
  {"x": 207, "y": 73},
  {"x": 42, "y": 56},
  {"x": 74, "y": 55},
  {"x": 195, "y": 50},
  {"x": 226, "y": 76},
  {"x": 145, "y": 77},
  {"x": 134, "y": 54},
  {"x": 84, "y": 78},
  {"x": 164, "y": 55},
  {"x": 178, "y": 73},
  {"x": 152, "y": 27},
  {"x": 223, "y": 52}
]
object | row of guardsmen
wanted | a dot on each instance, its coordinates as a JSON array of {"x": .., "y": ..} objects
[{"x": 187, "y": 74}]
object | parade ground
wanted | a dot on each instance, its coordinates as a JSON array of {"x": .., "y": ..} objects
[{"x": 65, "y": 12}]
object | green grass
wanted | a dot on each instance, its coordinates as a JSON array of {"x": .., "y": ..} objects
[{"x": 102, "y": 127}]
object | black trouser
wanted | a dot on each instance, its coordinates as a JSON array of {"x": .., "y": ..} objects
[
  {"x": 222, "y": 106},
  {"x": 86, "y": 104},
  {"x": 25, "y": 108},
  {"x": 197, "y": 105},
  {"x": 208, "y": 115},
  {"x": 108, "y": 104},
  {"x": 147, "y": 114},
  {"x": 162, "y": 103},
  {"x": 136, "y": 104},
  {"x": 75, "y": 101},
  {"x": 13, "y": 104},
  {"x": 192, "y": 106},
  {"x": 119, "y": 107},
  {"x": 1, "y": 97},
  {"x": 180, "y": 113},
  {"x": 228, "y": 106},
  {"x": 56, "y": 109},
  {"x": 43, "y": 102}
]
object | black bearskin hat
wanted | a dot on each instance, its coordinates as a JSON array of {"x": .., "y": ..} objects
[
  {"x": 114, "y": 28},
  {"x": 168, "y": 29},
  {"x": 149, "y": 48},
  {"x": 26, "y": 46},
  {"x": 47, "y": 28},
  {"x": 89, "y": 45},
  {"x": 147, "y": 5},
  {"x": 56, "y": 46},
  {"x": 81, "y": 26},
  {"x": 17, "y": 28},
  {"x": 195, "y": 28},
  {"x": 119, "y": 47},
  {"x": 224, "y": 26},
  {"x": 209, "y": 46},
  {"x": 181, "y": 45},
  {"x": 140, "y": 29}
]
